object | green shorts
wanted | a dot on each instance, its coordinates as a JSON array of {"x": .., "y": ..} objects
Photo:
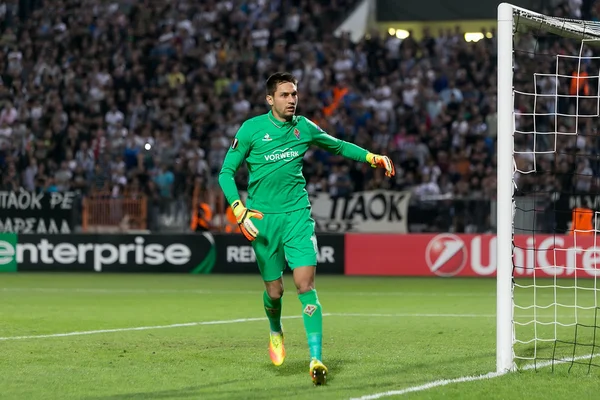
[{"x": 285, "y": 237}]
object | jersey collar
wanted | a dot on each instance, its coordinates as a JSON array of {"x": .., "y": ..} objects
[{"x": 280, "y": 124}]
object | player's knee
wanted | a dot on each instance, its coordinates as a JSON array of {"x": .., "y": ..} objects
[
  {"x": 275, "y": 292},
  {"x": 304, "y": 279},
  {"x": 304, "y": 287}
]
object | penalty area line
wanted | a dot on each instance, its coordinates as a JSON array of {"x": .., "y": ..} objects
[
  {"x": 234, "y": 321},
  {"x": 463, "y": 379}
]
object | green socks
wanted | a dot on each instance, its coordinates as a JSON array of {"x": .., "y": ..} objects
[
  {"x": 273, "y": 311},
  {"x": 313, "y": 322},
  {"x": 311, "y": 314}
]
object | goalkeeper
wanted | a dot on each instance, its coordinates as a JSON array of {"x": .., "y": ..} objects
[{"x": 277, "y": 215}]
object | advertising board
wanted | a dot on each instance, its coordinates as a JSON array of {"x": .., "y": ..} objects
[{"x": 448, "y": 255}]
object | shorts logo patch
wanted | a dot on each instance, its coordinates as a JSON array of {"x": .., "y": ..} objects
[
  {"x": 234, "y": 143},
  {"x": 310, "y": 310}
]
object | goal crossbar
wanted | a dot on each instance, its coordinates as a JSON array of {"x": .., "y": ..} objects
[{"x": 565, "y": 27}]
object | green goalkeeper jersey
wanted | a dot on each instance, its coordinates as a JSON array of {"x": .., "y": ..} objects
[{"x": 274, "y": 152}]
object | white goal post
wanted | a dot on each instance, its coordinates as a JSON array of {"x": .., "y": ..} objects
[
  {"x": 505, "y": 190},
  {"x": 509, "y": 17}
]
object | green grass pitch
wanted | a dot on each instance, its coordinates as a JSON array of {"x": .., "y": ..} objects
[{"x": 381, "y": 334}]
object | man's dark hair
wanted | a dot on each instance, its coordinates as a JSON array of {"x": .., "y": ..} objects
[{"x": 278, "y": 78}]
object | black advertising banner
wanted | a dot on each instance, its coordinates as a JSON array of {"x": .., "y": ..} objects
[
  {"x": 110, "y": 253},
  {"x": 42, "y": 213},
  {"x": 235, "y": 254},
  {"x": 201, "y": 253}
]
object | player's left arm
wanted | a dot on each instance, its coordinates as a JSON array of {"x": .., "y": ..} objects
[{"x": 347, "y": 149}]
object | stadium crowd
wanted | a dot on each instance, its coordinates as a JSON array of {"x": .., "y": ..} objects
[{"x": 147, "y": 95}]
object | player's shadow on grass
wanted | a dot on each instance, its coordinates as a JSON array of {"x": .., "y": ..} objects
[{"x": 192, "y": 392}]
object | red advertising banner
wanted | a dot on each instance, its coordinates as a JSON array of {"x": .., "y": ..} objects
[{"x": 448, "y": 255}]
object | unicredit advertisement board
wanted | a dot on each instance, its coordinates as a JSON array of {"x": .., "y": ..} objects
[{"x": 448, "y": 255}]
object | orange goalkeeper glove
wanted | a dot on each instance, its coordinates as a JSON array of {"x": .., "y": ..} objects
[
  {"x": 243, "y": 215},
  {"x": 382, "y": 162}
]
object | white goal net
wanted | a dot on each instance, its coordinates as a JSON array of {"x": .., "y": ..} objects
[{"x": 549, "y": 190}]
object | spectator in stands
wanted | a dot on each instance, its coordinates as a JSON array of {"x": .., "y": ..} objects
[{"x": 161, "y": 88}]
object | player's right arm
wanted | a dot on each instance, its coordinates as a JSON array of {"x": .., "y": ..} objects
[{"x": 237, "y": 153}]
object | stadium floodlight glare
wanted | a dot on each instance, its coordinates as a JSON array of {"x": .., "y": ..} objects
[
  {"x": 399, "y": 33},
  {"x": 402, "y": 33},
  {"x": 548, "y": 104},
  {"x": 473, "y": 36}
]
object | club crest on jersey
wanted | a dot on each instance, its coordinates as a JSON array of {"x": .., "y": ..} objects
[
  {"x": 234, "y": 143},
  {"x": 310, "y": 309},
  {"x": 297, "y": 133}
]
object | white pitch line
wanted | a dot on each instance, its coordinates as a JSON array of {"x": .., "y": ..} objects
[
  {"x": 209, "y": 292},
  {"x": 235, "y": 321},
  {"x": 125, "y": 291},
  {"x": 241, "y": 320},
  {"x": 141, "y": 328},
  {"x": 463, "y": 379},
  {"x": 430, "y": 385},
  {"x": 249, "y": 292},
  {"x": 424, "y": 315}
]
